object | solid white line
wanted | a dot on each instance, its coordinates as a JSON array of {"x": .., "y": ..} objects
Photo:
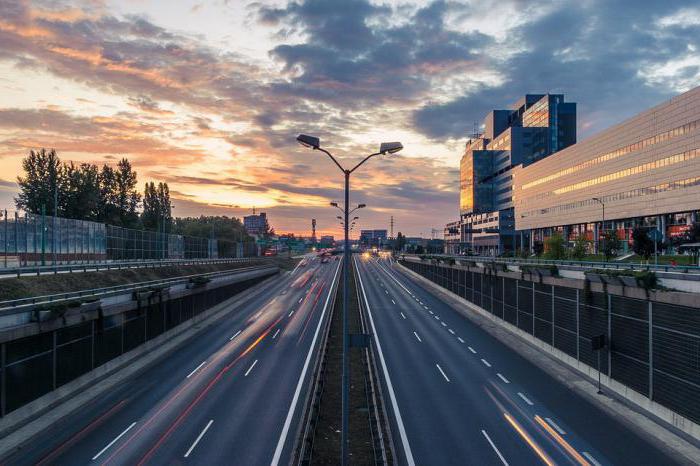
[
  {"x": 503, "y": 460},
  {"x": 389, "y": 385},
  {"x": 590, "y": 458},
  {"x": 113, "y": 441},
  {"x": 235, "y": 335},
  {"x": 199, "y": 437},
  {"x": 393, "y": 302},
  {"x": 460, "y": 339},
  {"x": 443, "y": 324},
  {"x": 556, "y": 427},
  {"x": 472, "y": 350},
  {"x": 292, "y": 407},
  {"x": 442, "y": 372},
  {"x": 417, "y": 336},
  {"x": 403, "y": 315},
  {"x": 525, "y": 399},
  {"x": 451, "y": 331},
  {"x": 275, "y": 335},
  {"x": 250, "y": 368},
  {"x": 290, "y": 314},
  {"x": 486, "y": 363},
  {"x": 502, "y": 378},
  {"x": 195, "y": 369}
]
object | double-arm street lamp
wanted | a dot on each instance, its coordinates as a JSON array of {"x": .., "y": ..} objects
[{"x": 314, "y": 143}]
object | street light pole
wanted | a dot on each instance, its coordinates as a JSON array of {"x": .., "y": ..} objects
[
  {"x": 385, "y": 148},
  {"x": 602, "y": 227}
]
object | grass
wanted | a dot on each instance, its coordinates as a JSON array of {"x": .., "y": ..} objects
[{"x": 25, "y": 287}]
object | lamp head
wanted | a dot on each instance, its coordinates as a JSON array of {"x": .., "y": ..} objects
[
  {"x": 390, "y": 147},
  {"x": 361, "y": 206},
  {"x": 334, "y": 204},
  {"x": 311, "y": 142}
]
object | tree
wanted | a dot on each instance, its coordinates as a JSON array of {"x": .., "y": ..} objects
[
  {"x": 554, "y": 247},
  {"x": 42, "y": 181},
  {"x": 611, "y": 244},
  {"x": 580, "y": 247},
  {"x": 126, "y": 197},
  {"x": 538, "y": 248},
  {"x": 642, "y": 245},
  {"x": 81, "y": 192},
  {"x": 157, "y": 210}
]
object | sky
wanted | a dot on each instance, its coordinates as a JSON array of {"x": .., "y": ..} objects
[{"x": 209, "y": 96}]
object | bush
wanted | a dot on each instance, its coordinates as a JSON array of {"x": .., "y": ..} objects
[
  {"x": 580, "y": 248},
  {"x": 554, "y": 247}
]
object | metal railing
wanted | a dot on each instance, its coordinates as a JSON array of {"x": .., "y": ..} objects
[
  {"x": 14, "y": 306},
  {"x": 113, "y": 265},
  {"x": 570, "y": 263}
]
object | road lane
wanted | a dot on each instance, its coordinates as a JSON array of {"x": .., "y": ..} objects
[
  {"x": 476, "y": 396},
  {"x": 168, "y": 409}
]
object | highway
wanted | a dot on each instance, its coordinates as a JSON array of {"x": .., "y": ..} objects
[
  {"x": 231, "y": 395},
  {"x": 456, "y": 395}
]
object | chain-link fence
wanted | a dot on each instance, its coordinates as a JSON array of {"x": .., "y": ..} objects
[{"x": 32, "y": 240}]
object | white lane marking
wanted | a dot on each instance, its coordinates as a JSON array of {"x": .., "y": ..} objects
[
  {"x": 443, "y": 324},
  {"x": 275, "y": 335},
  {"x": 113, "y": 441},
  {"x": 393, "y": 302},
  {"x": 486, "y": 363},
  {"x": 250, "y": 368},
  {"x": 290, "y": 314},
  {"x": 472, "y": 350},
  {"x": 525, "y": 399},
  {"x": 431, "y": 312},
  {"x": 442, "y": 372},
  {"x": 300, "y": 300},
  {"x": 235, "y": 335},
  {"x": 460, "y": 339},
  {"x": 417, "y": 337},
  {"x": 421, "y": 302},
  {"x": 195, "y": 369},
  {"x": 437, "y": 317},
  {"x": 426, "y": 307},
  {"x": 488, "y": 439},
  {"x": 403, "y": 315},
  {"x": 389, "y": 385},
  {"x": 590, "y": 458},
  {"x": 292, "y": 407},
  {"x": 500, "y": 376},
  {"x": 555, "y": 425},
  {"x": 199, "y": 437},
  {"x": 386, "y": 291},
  {"x": 451, "y": 331}
]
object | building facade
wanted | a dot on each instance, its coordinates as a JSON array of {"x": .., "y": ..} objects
[
  {"x": 255, "y": 224},
  {"x": 373, "y": 238},
  {"x": 535, "y": 127},
  {"x": 642, "y": 172}
]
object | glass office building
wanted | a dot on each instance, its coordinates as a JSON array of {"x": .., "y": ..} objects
[
  {"x": 645, "y": 171},
  {"x": 536, "y": 126}
]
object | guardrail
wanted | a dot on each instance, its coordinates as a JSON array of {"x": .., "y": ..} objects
[
  {"x": 570, "y": 263},
  {"x": 95, "y": 266},
  {"x": 20, "y": 305}
]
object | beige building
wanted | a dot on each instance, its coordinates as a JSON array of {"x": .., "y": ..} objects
[{"x": 642, "y": 172}]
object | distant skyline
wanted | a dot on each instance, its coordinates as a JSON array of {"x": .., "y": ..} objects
[{"x": 209, "y": 96}]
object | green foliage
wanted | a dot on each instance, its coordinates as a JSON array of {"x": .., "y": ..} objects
[
  {"x": 647, "y": 279},
  {"x": 82, "y": 192},
  {"x": 400, "y": 242},
  {"x": 642, "y": 245},
  {"x": 157, "y": 209},
  {"x": 228, "y": 230},
  {"x": 580, "y": 248},
  {"x": 611, "y": 244},
  {"x": 555, "y": 248}
]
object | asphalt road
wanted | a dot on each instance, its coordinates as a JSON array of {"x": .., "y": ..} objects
[
  {"x": 458, "y": 396},
  {"x": 231, "y": 395}
]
